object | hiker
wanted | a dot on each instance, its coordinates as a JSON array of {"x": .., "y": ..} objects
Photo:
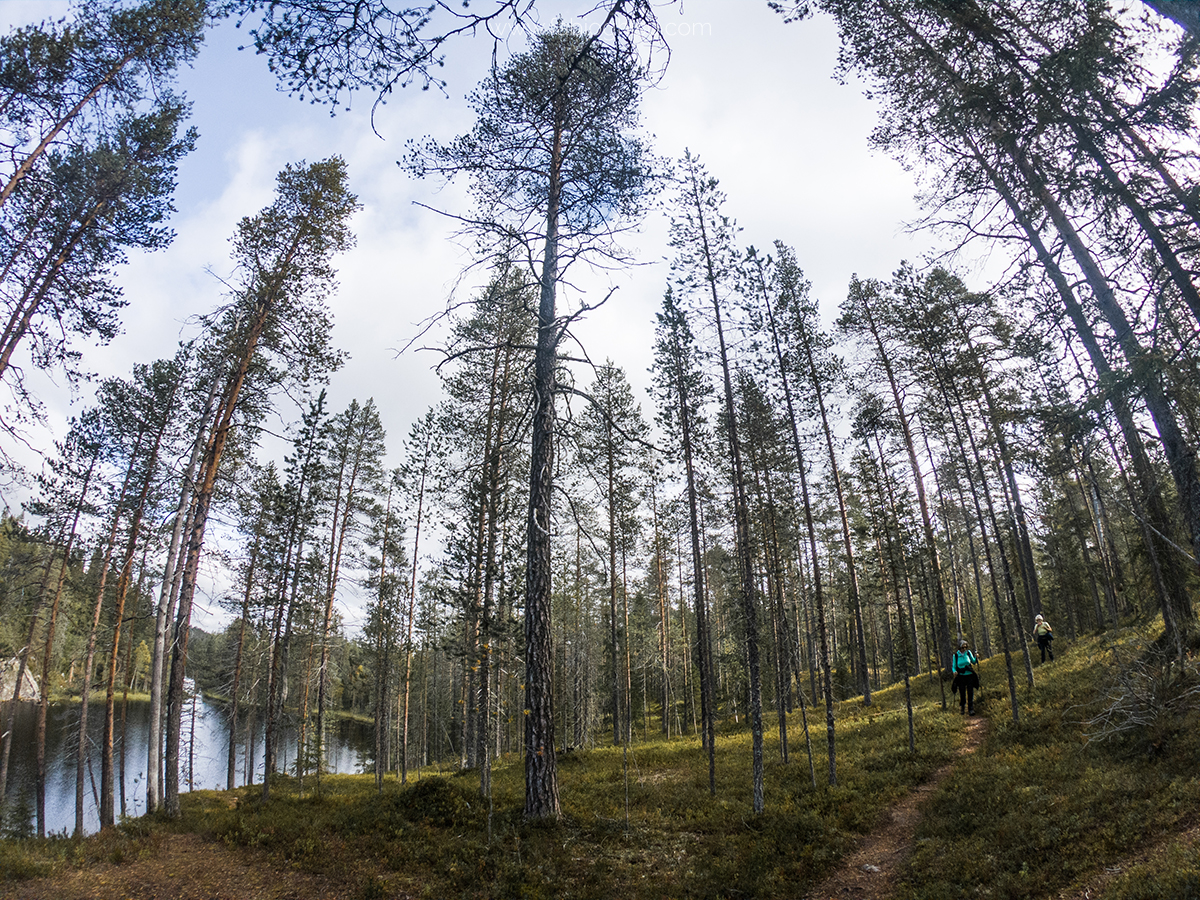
[
  {"x": 1045, "y": 637},
  {"x": 966, "y": 679}
]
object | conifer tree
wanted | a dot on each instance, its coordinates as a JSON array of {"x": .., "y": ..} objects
[
  {"x": 356, "y": 443},
  {"x": 556, "y": 165},
  {"x": 485, "y": 372},
  {"x": 705, "y": 268},
  {"x": 608, "y": 431},
  {"x": 1031, "y": 102},
  {"x": 418, "y": 475},
  {"x": 383, "y": 629},
  {"x": 64, "y": 497},
  {"x": 324, "y": 51},
  {"x": 680, "y": 391},
  {"x": 296, "y": 514},
  {"x": 811, "y": 359},
  {"x": 859, "y": 318},
  {"x": 148, "y": 401},
  {"x": 71, "y": 224},
  {"x": 59, "y": 80},
  {"x": 276, "y": 330},
  {"x": 785, "y": 374}
]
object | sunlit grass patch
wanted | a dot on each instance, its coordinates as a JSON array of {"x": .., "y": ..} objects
[
  {"x": 23, "y": 859},
  {"x": 26, "y": 858}
]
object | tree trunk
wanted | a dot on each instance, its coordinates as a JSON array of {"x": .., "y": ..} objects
[
  {"x": 89, "y": 659},
  {"x": 1155, "y": 506},
  {"x": 234, "y": 690},
  {"x": 107, "y": 812},
  {"x": 541, "y": 768},
  {"x": 164, "y": 613},
  {"x": 22, "y": 668},
  {"x": 412, "y": 601},
  {"x": 918, "y": 480},
  {"x": 203, "y": 499},
  {"x": 747, "y": 599},
  {"x": 847, "y": 543},
  {"x": 673, "y": 320}
]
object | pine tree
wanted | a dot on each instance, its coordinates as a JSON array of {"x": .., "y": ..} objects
[
  {"x": 680, "y": 391},
  {"x": 57, "y": 78},
  {"x": 1029, "y": 102},
  {"x": 609, "y": 429},
  {"x": 278, "y": 315},
  {"x": 811, "y": 359},
  {"x": 418, "y": 475},
  {"x": 858, "y": 317},
  {"x": 705, "y": 266},
  {"x": 70, "y": 225},
  {"x": 356, "y": 442},
  {"x": 557, "y": 166}
]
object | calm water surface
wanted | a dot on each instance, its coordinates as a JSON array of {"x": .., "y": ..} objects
[{"x": 203, "y": 757}]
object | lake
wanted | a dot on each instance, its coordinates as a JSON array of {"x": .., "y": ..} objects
[{"x": 203, "y": 757}]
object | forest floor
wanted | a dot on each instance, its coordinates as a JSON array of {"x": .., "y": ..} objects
[
  {"x": 1095, "y": 885},
  {"x": 181, "y": 867},
  {"x": 188, "y": 867},
  {"x": 871, "y": 871},
  {"x": 1069, "y": 818}
]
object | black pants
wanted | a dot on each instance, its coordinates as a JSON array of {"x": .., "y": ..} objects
[
  {"x": 1046, "y": 645},
  {"x": 965, "y": 684},
  {"x": 968, "y": 698}
]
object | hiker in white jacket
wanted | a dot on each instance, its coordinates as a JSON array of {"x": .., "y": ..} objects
[{"x": 1045, "y": 637}]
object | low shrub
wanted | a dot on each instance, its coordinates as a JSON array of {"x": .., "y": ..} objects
[{"x": 1172, "y": 875}]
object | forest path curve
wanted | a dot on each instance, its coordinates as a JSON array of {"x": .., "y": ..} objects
[{"x": 871, "y": 872}]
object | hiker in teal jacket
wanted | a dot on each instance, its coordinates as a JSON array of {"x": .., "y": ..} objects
[{"x": 966, "y": 679}]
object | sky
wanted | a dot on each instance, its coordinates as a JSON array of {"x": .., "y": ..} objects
[{"x": 754, "y": 98}]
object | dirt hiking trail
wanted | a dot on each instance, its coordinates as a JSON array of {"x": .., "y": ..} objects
[{"x": 871, "y": 872}]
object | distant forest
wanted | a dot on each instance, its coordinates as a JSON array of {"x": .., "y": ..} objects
[{"x": 819, "y": 497}]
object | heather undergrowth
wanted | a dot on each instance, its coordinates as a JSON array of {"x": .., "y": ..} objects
[
  {"x": 1043, "y": 806},
  {"x": 636, "y": 824},
  {"x": 1056, "y": 798}
]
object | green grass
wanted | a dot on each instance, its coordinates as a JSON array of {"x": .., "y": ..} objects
[
  {"x": 1174, "y": 874},
  {"x": 25, "y": 858},
  {"x": 1038, "y": 809}
]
